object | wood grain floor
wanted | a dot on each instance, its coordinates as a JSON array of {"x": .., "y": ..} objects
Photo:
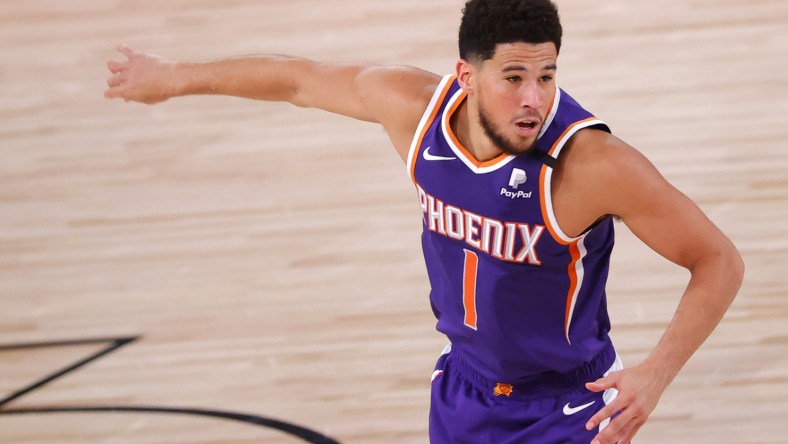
[{"x": 268, "y": 256}]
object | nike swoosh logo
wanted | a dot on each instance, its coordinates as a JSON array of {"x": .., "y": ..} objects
[
  {"x": 572, "y": 410},
  {"x": 427, "y": 156},
  {"x": 435, "y": 374}
]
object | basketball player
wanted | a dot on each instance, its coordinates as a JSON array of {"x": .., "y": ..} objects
[{"x": 518, "y": 187}]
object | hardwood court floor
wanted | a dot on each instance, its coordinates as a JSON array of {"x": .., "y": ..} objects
[{"x": 267, "y": 257}]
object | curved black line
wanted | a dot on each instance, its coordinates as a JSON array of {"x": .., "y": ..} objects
[
  {"x": 114, "y": 344},
  {"x": 291, "y": 429}
]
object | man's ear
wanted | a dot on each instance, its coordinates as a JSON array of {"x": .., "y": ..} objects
[{"x": 465, "y": 75}]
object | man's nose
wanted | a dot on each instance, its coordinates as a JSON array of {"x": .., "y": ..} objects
[{"x": 531, "y": 96}]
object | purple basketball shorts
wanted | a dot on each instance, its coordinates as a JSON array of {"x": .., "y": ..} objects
[{"x": 467, "y": 409}]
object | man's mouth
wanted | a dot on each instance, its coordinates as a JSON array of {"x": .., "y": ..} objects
[{"x": 527, "y": 127}]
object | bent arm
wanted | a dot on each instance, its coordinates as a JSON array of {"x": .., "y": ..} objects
[
  {"x": 394, "y": 96},
  {"x": 675, "y": 227},
  {"x": 623, "y": 182},
  {"x": 672, "y": 225}
]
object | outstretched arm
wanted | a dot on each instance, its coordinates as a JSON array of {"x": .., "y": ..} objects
[
  {"x": 626, "y": 184},
  {"x": 394, "y": 96}
]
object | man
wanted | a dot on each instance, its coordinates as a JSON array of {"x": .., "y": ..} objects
[{"x": 518, "y": 186}]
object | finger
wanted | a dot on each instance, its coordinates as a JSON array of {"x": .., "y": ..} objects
[
  {"x": 602, "y": 383},
  {"x": 116, "y": 67},
  {"x": 621, "y": 435},
  {"x": 606, "y": 412},
  {"x": 113, "y": 93},
  {"x": 126, "y": 50},
  {"x": 598, "y": 386},
  {"x": 626, "y": 437},
  {"x": 614, "y": 431},
  {"x": 114, "y": 80}
]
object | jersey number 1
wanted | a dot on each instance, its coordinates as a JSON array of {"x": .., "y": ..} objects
[{"x": 469, "y": 288}]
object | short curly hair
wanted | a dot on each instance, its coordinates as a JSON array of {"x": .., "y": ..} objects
[{"x": 487, "y": 23}]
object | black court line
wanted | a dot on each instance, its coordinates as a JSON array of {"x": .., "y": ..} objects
[{"x": 114, "y": 344}]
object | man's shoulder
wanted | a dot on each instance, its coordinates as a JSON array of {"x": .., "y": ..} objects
[
  {"x": 595, "y": 148},
  {"x": 398, "y": 96},
  {"x": 608, "y": 168}
]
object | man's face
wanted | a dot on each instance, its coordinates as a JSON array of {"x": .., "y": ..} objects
[{"x": 514, "y": 91}]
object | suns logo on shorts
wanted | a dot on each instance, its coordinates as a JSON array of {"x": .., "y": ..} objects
[{"x": 503, "y": 389}]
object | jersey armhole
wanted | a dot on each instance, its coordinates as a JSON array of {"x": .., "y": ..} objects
[
  {"x": 426, "y": 120},
  {"x": 546, "y": 180}
]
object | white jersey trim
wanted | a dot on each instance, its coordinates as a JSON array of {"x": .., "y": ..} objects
[
  {"x": 553, "y": 111},
  {"x": 413, "y": 152},
  {"x": 580, "y": 273}
]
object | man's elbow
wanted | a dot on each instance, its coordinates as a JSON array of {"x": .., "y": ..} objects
[
  {"x": 736, "y": 266},
  {"x": 729, "y": 264},
  {"x": 722, "y": 263}
]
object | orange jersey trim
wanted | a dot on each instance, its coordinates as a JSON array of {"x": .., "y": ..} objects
[
  {"x": 542, "y": 175},
  {"x": 447, "y": 129}
]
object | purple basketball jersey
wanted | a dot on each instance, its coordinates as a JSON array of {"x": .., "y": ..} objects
[{"x": 516, "y": 296}]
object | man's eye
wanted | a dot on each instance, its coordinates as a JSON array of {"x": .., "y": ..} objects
[
  {"x": 547, "y": 78},
  {"x": 513, "y": 79}
]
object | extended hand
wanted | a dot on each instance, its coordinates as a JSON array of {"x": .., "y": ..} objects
[
  {"x": 141, "y": 78},
  {"x": 639, "y": 389}
]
